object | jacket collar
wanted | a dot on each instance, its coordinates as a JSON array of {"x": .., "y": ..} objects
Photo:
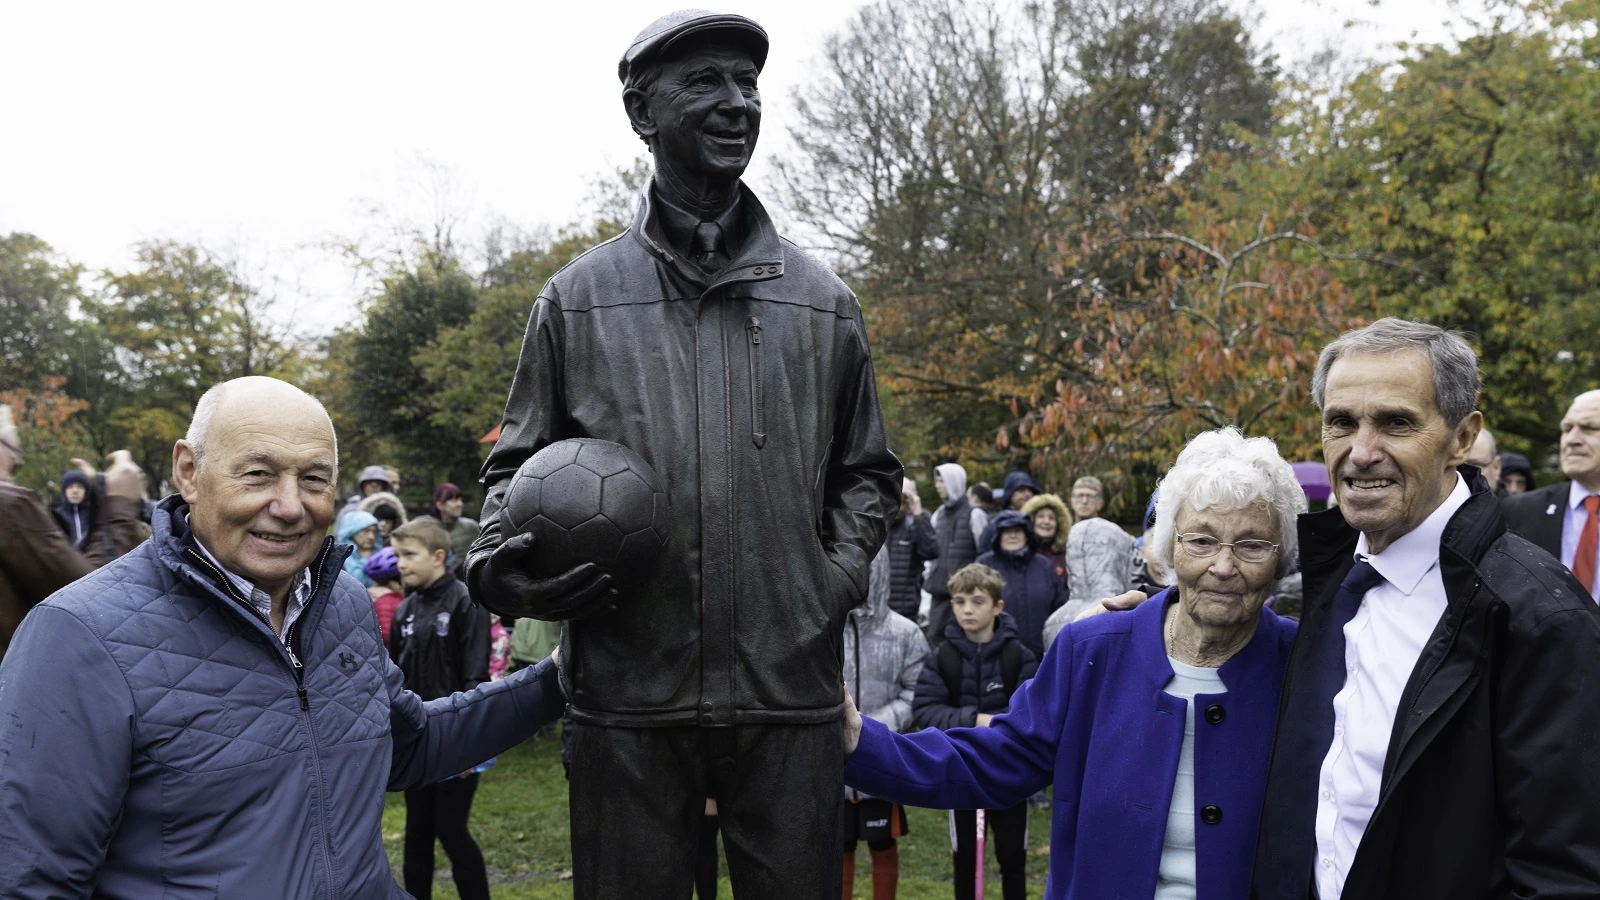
[
  {"x": 760, "y": 256},
  {"x": 1255, "y": 663}
]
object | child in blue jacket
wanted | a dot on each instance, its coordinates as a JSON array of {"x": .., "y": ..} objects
[{"x": 967, "y": 681}]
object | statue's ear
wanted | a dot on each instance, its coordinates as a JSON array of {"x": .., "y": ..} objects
[{"x": 637, "y": 103}]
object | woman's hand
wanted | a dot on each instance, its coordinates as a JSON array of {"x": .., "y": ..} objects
[{"x": 851, "y": 724}]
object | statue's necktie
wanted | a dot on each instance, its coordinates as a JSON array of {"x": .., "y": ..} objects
[{"x": 708, "y": 247}]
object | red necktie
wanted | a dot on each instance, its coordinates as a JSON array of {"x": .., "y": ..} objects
[{"x": 1588, "y": 541}]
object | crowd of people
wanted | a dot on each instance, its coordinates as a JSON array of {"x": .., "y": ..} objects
[{"x": 1439, "y": 671}]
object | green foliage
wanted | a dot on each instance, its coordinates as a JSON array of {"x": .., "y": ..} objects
[
  {"x": 38, "y": 294},
  {"x": 1478, "y": 167},
  {"x": 390, "y": 397},
  {"x": 469, "y": 366}
]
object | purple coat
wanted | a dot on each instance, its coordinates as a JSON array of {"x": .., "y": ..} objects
[{"x": 1095, "y": 722}]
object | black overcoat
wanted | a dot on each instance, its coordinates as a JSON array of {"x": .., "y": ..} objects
[{"x": 1491, "y": 787}]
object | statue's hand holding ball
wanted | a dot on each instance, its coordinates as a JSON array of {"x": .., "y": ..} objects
[{"x": 588, "y": 516}]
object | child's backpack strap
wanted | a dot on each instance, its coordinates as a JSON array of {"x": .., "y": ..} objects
[
  {"x": 950, "y": 671},
  {"x": 1011, "y": 666}
]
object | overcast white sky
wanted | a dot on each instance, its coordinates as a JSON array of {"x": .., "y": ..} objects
[{"x": 271, "y": 127}]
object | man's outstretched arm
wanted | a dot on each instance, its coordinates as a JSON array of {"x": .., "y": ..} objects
[{"x": 444, "y": 737}]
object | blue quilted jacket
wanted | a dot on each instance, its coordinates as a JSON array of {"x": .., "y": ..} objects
[{"x": 156, "y": 739}]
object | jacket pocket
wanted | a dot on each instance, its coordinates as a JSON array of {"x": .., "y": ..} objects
[{"x": 758, "y": 428}]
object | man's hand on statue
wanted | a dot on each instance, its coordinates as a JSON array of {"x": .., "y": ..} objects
[
  {"x": 510, "y": 589},
  {"x": 1119, "y": 603},
  {"x": 851, "y": 724}
]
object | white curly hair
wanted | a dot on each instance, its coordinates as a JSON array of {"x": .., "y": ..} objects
[{"x": 1225, "y": 471}]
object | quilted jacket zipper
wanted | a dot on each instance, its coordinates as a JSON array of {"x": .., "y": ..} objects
[
  {"x": 291, "y": 639},
  {"x": 223, "y": 581},
  {"x": 758, "y": 430}
]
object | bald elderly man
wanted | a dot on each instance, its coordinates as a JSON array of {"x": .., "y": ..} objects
[
  {"x": 214, "y": 714},
  {"x": 1564, "y": 518}
]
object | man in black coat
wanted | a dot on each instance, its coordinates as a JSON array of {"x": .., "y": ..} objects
[
  {"x": 912, "y": 542},
  {"x": 737, "y": 366},
  {"x": 1437, "y": 722},
  {"x": 1562, "y": 518}
]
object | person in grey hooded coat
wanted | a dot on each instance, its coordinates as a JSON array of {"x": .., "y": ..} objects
[
  {"x": 883, "y": 656},
  {"x": 957, "y": 524}
]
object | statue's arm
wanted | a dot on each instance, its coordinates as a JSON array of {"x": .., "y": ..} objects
[{"x": 861, "y": 487}]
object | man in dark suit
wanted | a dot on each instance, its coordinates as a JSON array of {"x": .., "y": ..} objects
[{"x": 1564, "y": 518}]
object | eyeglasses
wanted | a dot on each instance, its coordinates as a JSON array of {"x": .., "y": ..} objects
[
  {"x": 1204, "y": 546},
  {"x": 15, "y": 450}
]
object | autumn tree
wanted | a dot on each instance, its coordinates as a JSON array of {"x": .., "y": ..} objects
[
  {"x": 947, "y": 146},
  {"x": 1213, "y": 321}
]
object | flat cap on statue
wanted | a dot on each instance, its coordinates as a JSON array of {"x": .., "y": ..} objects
[{"x": 660, "y": 35}]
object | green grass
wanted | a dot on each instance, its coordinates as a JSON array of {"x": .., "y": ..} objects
[{"x": 519, "y": 818}]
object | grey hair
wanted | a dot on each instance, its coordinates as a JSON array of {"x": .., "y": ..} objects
[
  {"x": 8, "y": 427},
  {"x": 205, "y": 409},
  {"x": 1089, "y": 481},
  {"x": 1225, "y": 471},
  {"x": 1455, "y": 366},
  {"x": 200, "y": 423}
]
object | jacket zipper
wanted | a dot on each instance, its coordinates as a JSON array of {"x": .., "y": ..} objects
[
  {"x": 758, "y": 431},
  {"x": 291, "y": 637}
]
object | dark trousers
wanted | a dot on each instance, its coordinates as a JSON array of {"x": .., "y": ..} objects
[
  {"x": 1009, "y": 828},
  {"x": 440, "y": 811},
  {"x": 638, "y": 798}
]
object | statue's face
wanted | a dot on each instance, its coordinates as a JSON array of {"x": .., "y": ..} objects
[{"x": 706, "y": 112}]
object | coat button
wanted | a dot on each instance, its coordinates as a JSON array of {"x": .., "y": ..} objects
[
  {"x": 1211, "y": 814},
  {"x": 1215, "y": 714},
  {"x": 706, "y": 707}
]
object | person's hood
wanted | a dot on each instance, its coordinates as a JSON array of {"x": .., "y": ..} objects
[
  {"x": 1063, "y": 518},
  {"x": 955, "y": 482},
  {"x": 1515, "y": 462},
  {"x": 73, "y": 476},
  {"x": 352, "y": 523},
  {"x": 1010, "y": 518},
  {"x": 878, "y": 583},
  {"x": 1015, "y": 480},
  {"x": 373, "y": 473},
  {"x": 384, "y": 498},
  {"x": 1004, "y": 627}
]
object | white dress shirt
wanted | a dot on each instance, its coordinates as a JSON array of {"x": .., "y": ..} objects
[
  {"x": 1383, "y": 642},
  {"x": 1572, "y": 530}
]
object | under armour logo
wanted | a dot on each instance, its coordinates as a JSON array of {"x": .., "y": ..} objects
[{"x": 347, "y": 660}]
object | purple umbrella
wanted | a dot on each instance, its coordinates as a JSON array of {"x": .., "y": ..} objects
[{"x": 1313, "y": 478}]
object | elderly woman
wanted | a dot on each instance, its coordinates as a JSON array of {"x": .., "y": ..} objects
[{"x": 1155, "y": 725}]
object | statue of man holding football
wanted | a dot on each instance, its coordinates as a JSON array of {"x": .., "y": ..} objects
[{"x": 736, "y": 366}]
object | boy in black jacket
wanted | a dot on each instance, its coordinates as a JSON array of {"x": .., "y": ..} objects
[
  {"x": 440, "y": 640},
  {"x": 967, "y": 681}
]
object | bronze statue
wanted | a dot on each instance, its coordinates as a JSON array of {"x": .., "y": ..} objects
[{"x": 737, "y": 366}]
